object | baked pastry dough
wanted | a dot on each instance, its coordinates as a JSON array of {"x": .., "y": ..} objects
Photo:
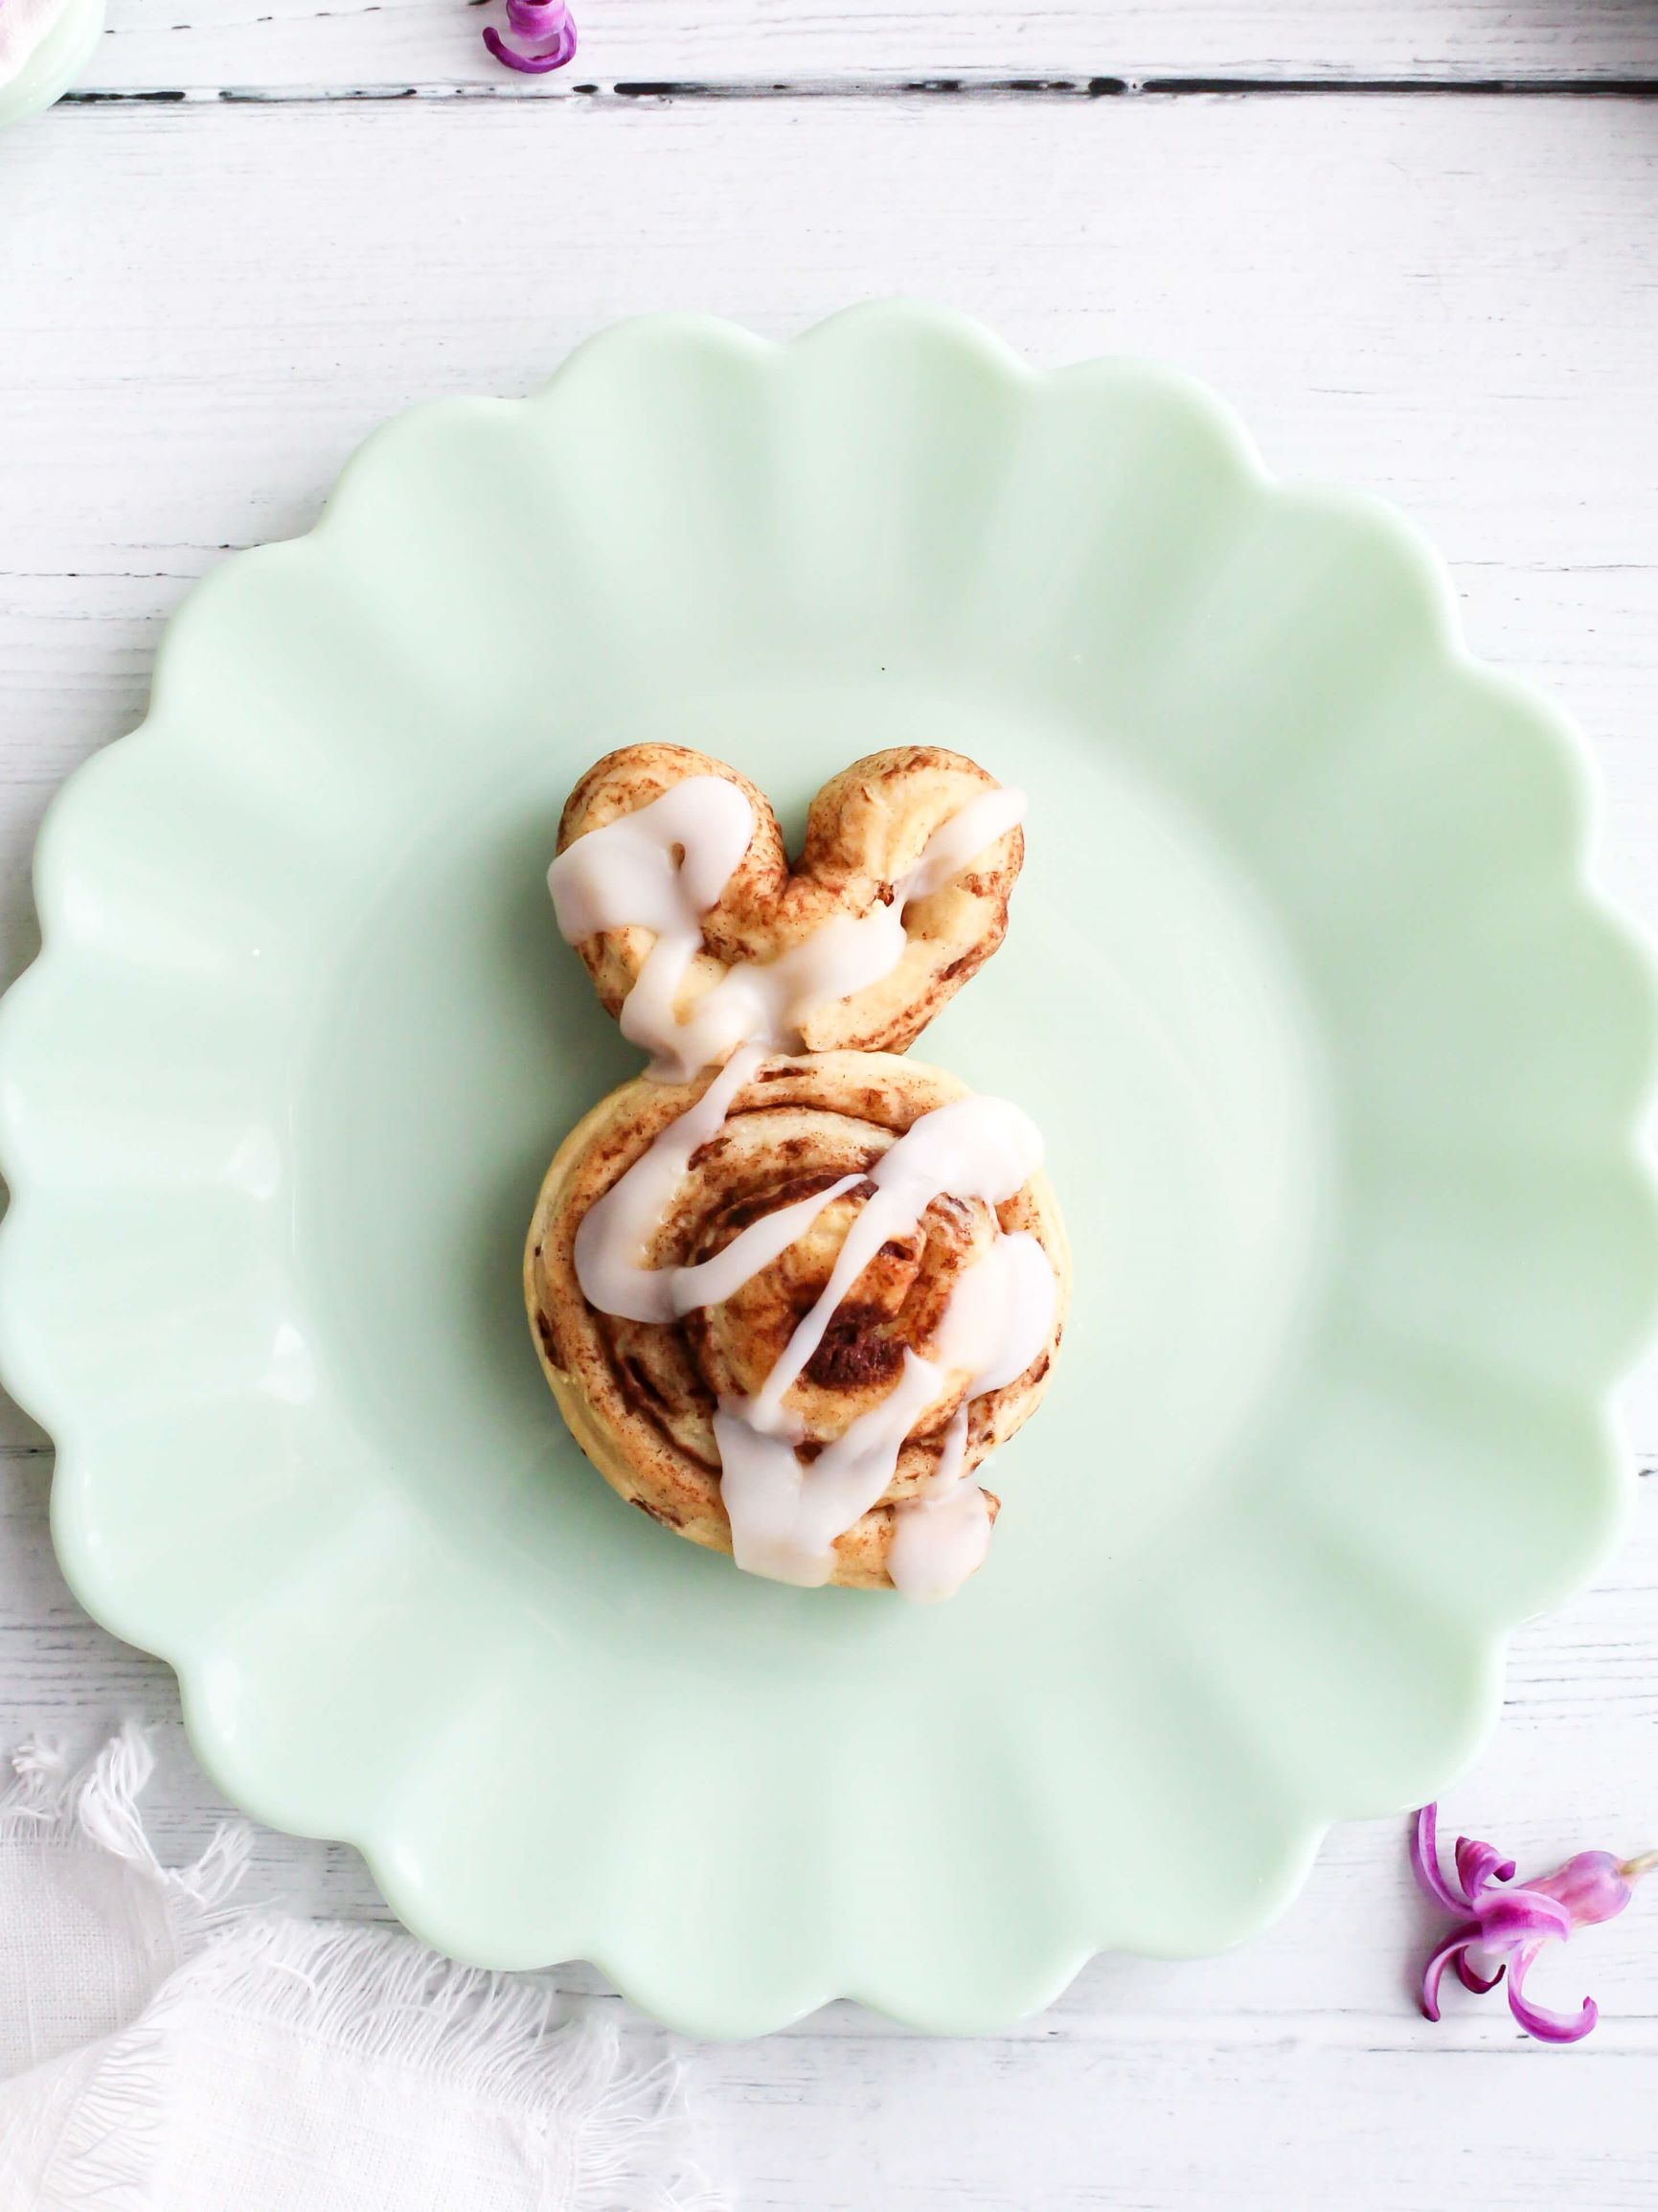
[
  {"x": 866, "y": 831},
  {"x": 788, "y": 1288},
  {"x": 641, "y": 1395}
]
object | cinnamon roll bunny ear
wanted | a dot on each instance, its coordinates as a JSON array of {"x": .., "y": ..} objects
[
  {"x": 626, "y": 782},
  {"x": 900, "y": 896}
]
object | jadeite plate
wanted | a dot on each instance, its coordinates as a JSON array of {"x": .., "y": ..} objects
[
  {"x": 55, "y": 63},
  {"x": 1339, "y": 1058}
]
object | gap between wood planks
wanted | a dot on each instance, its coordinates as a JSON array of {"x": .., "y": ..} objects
[{"x": 967, "y": 87}]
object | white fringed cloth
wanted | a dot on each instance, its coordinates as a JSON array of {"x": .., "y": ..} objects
[{"x": 166, "y": 2050}]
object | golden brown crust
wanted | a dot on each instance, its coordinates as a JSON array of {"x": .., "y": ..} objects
[
  {"x": 640, "y": 1397},
  {"x": 865, "y": 830}
]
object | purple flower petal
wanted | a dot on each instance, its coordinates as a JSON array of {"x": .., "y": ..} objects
[
  {"x": 1471, "y": 1979},
  {"x": 532, "y": 64},
  {"x": 1536, "y": 2020},
  {"x": 1591, "y": 1887},
  {"x": 1425, "y": 1863},
  {"x": 1496, "y": 1919},
  {"x": 1433, "y": 1974},
  {"x": 1478, "y": 1863},
  {"x": 1510, "y": 1919},
  {"x": 547, "y": 25}
]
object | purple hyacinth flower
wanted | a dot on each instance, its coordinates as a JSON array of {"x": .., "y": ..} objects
[
  {"x": 547, "y": 29},
  {"x": 1512, "y": 1925}
]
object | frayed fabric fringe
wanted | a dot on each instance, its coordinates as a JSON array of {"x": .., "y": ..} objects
[
  {"x": 96, "y": 1806},
  {"x": 611, "y": 2121}
]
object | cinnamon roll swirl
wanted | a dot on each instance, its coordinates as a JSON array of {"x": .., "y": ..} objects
[{"x": 788, "y": 1308}]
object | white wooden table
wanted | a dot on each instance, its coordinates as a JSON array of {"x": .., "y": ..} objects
[{"x": 1416, "y": 242}]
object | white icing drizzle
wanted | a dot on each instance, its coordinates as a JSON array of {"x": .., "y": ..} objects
[
  {"x": 1007, "y": 1303},
  {"x": 785, "y": 1517},
  {"x": 662, "y": 868},
  {"x": 940, "y": 1536},
  {"x": 976, "y": 1148},
  {"x": 625, "y": 874},
  {"x": 616, "y": 1231}
]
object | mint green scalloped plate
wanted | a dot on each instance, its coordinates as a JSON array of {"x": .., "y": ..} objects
[
  {"x": 1339, "y": 1058},
  {"x": 55, "y": 63}
]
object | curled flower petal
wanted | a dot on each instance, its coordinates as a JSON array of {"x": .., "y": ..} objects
[
  {"x": 548, "y": 27},
  {"x": 531, "y": 64},
  {"x": 1471, "y": 1979},
  {"x": 1510, "y": 1919},
  {"x": 1425, "y": 1863},
  {"x": 1433, "y": 1974},
  {"x": 1478, "y": 1863},
  {"x": 1500, "y": 1920},
  {"x": 1549, "y": 2027}
]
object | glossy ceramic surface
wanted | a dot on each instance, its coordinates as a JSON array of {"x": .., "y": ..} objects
[
  {"x": 55, "y": 63},
  {"x": 1338, "y": 1056}
]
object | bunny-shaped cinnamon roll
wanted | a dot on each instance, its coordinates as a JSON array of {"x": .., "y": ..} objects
[{"x": 788, "y": 1288}]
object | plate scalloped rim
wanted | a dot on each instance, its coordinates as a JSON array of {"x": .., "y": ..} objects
[{"x": 1576, "y": 1513}]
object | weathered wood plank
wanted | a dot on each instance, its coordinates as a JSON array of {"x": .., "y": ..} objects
[
  {"x": 1447, "y": 301},
  {"x": 305, "y": 45}
]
